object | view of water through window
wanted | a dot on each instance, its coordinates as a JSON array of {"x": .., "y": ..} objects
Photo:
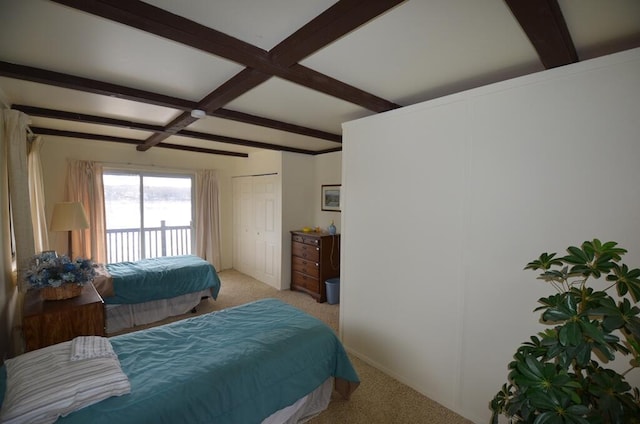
[
  {"x": 165, "y": 198},
  {"x": 137, "y": 201}
]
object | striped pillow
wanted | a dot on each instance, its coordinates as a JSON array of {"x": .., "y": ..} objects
[{"x": 45, "y": 384}]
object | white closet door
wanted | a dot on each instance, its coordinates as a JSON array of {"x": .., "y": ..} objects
[
  {"x": 257, "y": 227},
  {"x": 243, "y": 258},
  {"x": 267, "y": 230}
]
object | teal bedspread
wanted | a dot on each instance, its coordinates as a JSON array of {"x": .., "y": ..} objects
[
  {"x": 237, "y": 365},
  {"x": 161, "y": 278}
]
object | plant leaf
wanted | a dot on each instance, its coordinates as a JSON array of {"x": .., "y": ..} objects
[
  {"x": 545, "y": 261},
  {"x": 577, "y": 256},
  {"x": 570, "y": 334},
  {"x": 626, "y": 281}
]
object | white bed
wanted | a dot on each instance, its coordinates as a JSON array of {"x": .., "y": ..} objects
[
  {"x": 263, "y": 362},
  {"x": 141, "y": 292}
]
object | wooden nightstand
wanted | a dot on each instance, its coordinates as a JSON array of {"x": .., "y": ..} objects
[{"x": 47, "y": 322}]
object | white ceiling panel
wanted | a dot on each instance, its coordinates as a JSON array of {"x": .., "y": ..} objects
[
  {"x": 272, "y": 20},
  {"x": 61, "y": 39},
  {"x": 283, "y": 100},
  {"x": 599, "y": 27}
]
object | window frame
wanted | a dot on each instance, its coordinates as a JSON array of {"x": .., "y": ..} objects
[{"x": 141, "y": 174}]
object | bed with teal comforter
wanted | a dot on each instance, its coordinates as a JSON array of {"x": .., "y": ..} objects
[
  {"x": 160, "y": 278},
  {"x": 237, "y": 365}
]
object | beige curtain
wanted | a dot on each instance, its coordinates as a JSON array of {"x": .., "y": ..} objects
[
  {"x": 84, "y": 185},
  {"x": 13, "y": 129},
  {"x": 207, "y": 226},
  {"x": 36, "y": 195}
]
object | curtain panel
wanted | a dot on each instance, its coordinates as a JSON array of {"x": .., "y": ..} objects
[
  {"x": 84, "y": 184},
  {"x": 13, "y": 125},
  {"x": 36, "y": 195},
  {"x": 207, "y": 228}
]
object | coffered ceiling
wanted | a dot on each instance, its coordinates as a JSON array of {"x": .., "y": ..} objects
[{"x": 228, "y": 77}]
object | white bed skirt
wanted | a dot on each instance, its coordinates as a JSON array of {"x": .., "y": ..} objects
[
  {"x": 123, "y": 316},
  {"x": 305, "y": 408}
]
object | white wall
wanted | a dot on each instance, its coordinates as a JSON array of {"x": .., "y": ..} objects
[
  {"x": 328, "y": 171},
  {"x": 302, "y": 177},
  {"x": 297, "y": 203},
  {"x": 259, "y": 162},
  {"x": 446, "y": 202}
]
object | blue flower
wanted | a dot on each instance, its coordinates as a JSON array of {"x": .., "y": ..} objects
[{"x": 49, "y": 270}]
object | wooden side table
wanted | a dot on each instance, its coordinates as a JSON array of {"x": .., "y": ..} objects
[
  {"x": 315, "y": 258},
  {"x": 47, "y": 322}
]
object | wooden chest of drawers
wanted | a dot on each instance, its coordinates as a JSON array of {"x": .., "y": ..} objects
[
  {"x": 47, "y": 322},
  {"x": 315, "y": 257}
]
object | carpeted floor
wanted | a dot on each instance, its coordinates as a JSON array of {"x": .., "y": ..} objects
[{"x": 379, "y": 399}]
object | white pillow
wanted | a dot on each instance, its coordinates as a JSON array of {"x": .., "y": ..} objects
[
  {"x": 91, "y": 347},
  {"x": 45, "y": 384}
]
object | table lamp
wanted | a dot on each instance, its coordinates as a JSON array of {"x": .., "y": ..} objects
[{"x": 69, "y": 216}]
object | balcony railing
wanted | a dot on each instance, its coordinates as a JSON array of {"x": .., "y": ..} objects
[{"x": 124, "y": 244}]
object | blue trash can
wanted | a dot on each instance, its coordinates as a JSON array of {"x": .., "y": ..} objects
[{"x": 333, "y": 291}]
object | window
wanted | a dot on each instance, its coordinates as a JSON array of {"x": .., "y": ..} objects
[{"x": 147, "y": 215}]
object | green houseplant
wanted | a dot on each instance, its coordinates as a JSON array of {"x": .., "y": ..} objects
[{"x": 560, "y": 375}]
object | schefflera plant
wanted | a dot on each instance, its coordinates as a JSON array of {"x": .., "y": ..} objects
[{"x": 561, "y": 374}]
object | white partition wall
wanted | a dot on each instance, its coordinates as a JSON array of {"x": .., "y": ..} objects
[{"x": 446, "y": 201}]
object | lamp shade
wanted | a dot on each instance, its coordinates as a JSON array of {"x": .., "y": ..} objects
[{"x": 68, "y": 216}]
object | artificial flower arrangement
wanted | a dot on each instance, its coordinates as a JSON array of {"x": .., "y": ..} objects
[{"x": 47, "y": 269}]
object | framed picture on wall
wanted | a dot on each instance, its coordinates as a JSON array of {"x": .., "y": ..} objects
[{"x": 331, "y": 197}]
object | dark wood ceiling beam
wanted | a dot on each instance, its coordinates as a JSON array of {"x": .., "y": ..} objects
[
  {"x": 246, "y": 143},
  {"x": 202, "y": 150},
  {"x": 92, "y": 119},
  {"x": 322, "y": 152},
  {"x": 348, "y": 15},
  {"x": 338, "y": 20},
  {"x": 132, "y": 141},
  {"x": 149, "y": 18},
  {"x": 85, "y": 118},
  {"x": 73, "y": 82},
  {"x": 305, "y": 76},
  {"x": 233, "y": 88},
  {"x": 87, "y": 85},
  {"x": 236, "y": 86},
  {"x": 544, "y": 24},
  {"x": 276, "y": 125}
]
